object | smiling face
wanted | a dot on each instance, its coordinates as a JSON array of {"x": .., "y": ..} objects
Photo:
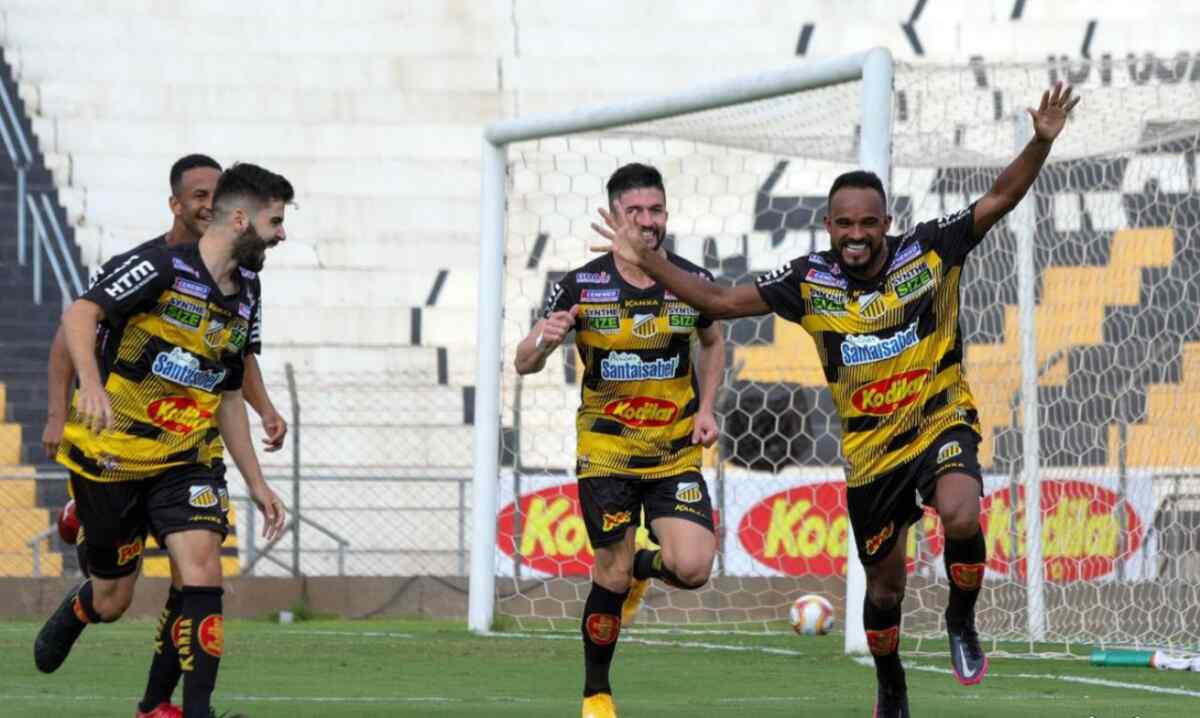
[
  {"x": 191, "y": 200},
  {"x": 262, "y": 232},
  {"x": 857, "y": 224},
  {"x": 647, "y": 207}
]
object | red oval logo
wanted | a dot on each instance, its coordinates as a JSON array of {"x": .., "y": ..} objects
[
  {"x": 177, "y": 414},
  {"x": 1080, "y": 530},
  {"x": 886, "y": 395},
  {"x": 642, "y": 411}
]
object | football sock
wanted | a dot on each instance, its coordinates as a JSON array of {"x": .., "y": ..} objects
[
  {"x": 964, "y": 566},
  {"x": 201, "y": 643},
  {"x": 883, "y": 638},
  {"x": 83, "y": 607},
  {"x": 649, "y": 564},
  {"x": 164, "y": 667},
  {"x": 601, "y": 626}
]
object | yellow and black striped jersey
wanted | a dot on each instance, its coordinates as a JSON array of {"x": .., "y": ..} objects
[
  {"x": 639, "y": 393},
  {"x": 891, "y": 349},
  {"x": 172, "y": 344}
]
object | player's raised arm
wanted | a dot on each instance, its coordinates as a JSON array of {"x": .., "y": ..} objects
[
  {"x": 1016, "y": 179},
  {"x": 712, "y": 299}
]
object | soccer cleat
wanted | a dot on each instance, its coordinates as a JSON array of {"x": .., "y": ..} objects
[
  {"x": 162, "y": 710},
  {"x": 890, "y": 703},
  {"x": 633, "y": 601},
  {"x": 54, "y": 641},
  {"x": 966, "y": 657},
  {"x": 599, "y": 705}
]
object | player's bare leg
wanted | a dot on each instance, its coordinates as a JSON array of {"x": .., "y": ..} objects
[
  {"x": 96, "y": 600},
  {"x": 886, "y": 581},
  {"x": 611, "y": 574},
  {"x": 957, "y": 501},
  {"x": 684, "y": 560}
]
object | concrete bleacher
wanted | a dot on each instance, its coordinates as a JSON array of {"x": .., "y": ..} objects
[{"x": 21, "y": 516}]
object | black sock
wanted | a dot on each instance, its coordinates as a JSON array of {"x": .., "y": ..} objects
[
  {"x": 965, "y": 560},
  {"x": 883, "y": 638},
  {"x": 84, "y": 609},
  {"x": 649, "y": 564},
  {"x": 164, "y": 667},
  {"x": 201, "y": 643},
  {"x": 601, "y": 626}
]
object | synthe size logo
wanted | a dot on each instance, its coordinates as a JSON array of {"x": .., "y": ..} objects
[
  {"x": 827, "y": 302},
  {"x": 912, "y": 281},
  {"x": 624, "y": 366},
  {"x": 182, "y": 368},
  {"x": 642, "y": 411},
  {"x": 867, "y": 348},
  {"x": 681, "y": 322},
  {"x": 604, "y": 320},
  {"x": 131, "y": 279},
  {"x": 183, "y": 313}
]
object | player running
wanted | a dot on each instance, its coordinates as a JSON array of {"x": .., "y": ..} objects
[
  {"x": 883, "y": 314},
  {"x": 643, "y": 416}
]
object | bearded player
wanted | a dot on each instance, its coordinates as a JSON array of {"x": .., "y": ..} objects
[
  {"x": 644, "y": 414},
  {"x": 883, "y": 314}
]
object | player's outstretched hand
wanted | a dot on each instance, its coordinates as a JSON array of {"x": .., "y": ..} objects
[
  {"x": 276, "y": 427},
  {"x": 705, "y": 429},
  {"x": 624, "y": 238},
  {"x": 1051, "y": 115},
  {"x": 94, "y": 408},
  {"x": 556, "y": 328},
  {"x": 273, "y": 511},
  {"x": 52, "y": 435}
]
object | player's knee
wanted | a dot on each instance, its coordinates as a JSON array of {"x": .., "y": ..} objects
[
  {"x": 111, "y": 605},
  {"x": 962, "y": 521},
  {"x": 885, "y": 597},
  {"x": 692, "y": 574}
]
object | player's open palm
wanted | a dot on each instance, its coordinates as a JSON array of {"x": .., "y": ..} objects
[
  {"x": 1051, "y": 115},
  {"x": 556, "y": 327},
  {"x": 625, "y": 237}
]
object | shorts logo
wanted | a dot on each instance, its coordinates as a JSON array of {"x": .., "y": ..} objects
[
  {"x": 644, "y": 325},
  {"x": 600, "y": 296},
  {"x": 642, "y": 411},
  {"x": 689, "y": 492},
  {"x": 625, "y": 366},
  {"x": 177, "y": 414},
  {"x": 688, "y": 509},
  {"x": 195, "y": 289},
  {"x": 948, "y": 451},
  {"x": 131, "y": 280},
  {"x": 202, "y": 497},
  {"x": 612, "y": 521},
  {"x": 816, "y": 276},
  {"x": 592, "y": 278},
  {"x": 967, "y": 576},
  {"x": 603, "y": 628},
  {"x": 883, "y": 642},
  {"x": 873, "y": 543},
  {"x": 603, "y": 320},
  {"x": 129, "y": 552},
  {"x": 182, "y": 368},
  {"x": 183, "y": 313},
  {"x": 885, "y": 396},
  {"x": 211, "y": 635},
  {"x": 868, "y": 348}
]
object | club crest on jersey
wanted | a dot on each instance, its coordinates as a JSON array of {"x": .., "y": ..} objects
[
  {"x": 816, "y": 276},
  {"x": 688, "y": 492},
  {"x": 183, "y": 266},
  {"x": 195, "y": 289},
  {"x": 868, "y": 348},
  {"x": 644, "y": 325},
  {"x": 212, "y": 335},
  {"x": 948, "y": 451},
  {"x": 592, "y": 278},
  {"x": 180, "y": 367},
  {"x": 599, "y": 296},
  {"x": 626, "y": 366}
]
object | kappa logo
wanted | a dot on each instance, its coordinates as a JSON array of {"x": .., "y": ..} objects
[
  {"x": 202, "y": 497},
  {"x": 868, "y": 348},
  {"x": 182, "y": 368},
  {"x": 132, "y": 279},
  {"x": 612, "y": 521},
  {"x": 952, "y": 218},
  {"x": 948, "y": 451},
  {"x": 129, "y": 552},
  {"x": 603, "y": 628},
  {"x": 592, "y": 278},
  {"x": 873, "y": 543},
  {"x": 689, "y": 492},
  {"x": 775, "y": 275},
  {"x": 599, "y": 296},
  {"x": 195, "y": 289},
  {"x": 644, "y": 325}
]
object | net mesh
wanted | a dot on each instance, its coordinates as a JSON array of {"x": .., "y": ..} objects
[{"x": 1117, "y": 351}]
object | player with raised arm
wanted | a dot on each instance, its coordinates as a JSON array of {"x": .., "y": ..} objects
[
  {"x": 151, "y": 400},
  {"x": 883, "y": 314},
  {"x": 644, "y": 414}
]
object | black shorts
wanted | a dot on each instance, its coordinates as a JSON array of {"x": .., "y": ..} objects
[
  {"x": 116, "y": 516},
  {"x": 880, "y": 510},
  {"x": 612, "y": 504}
]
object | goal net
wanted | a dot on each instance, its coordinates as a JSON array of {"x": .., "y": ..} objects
[{"x": 1108, "y": 446}]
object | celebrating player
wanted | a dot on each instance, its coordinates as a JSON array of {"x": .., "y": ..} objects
[
  {"x": 151, "y": 400},
  {"x": 883, "y": 313},
  {"x": 643, "y": 416},
  {"x": 192, "y": 179}
]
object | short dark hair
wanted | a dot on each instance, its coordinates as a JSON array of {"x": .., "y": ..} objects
[
  {"x": 250, "y": 182},
  {"x": 861, "y": 179},
  {"x": 633, "y": 176},
  {"x": 189, "y": 162}
]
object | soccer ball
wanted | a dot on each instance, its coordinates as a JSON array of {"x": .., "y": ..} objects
[
  {"x": 811, "y": 615},
  {"x": 68, "y": 523}
]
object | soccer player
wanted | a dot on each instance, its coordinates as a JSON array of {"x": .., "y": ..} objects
[
  {"x": 192, "y": 180},
  {"x": 883, "y": 313},
  {"x": 644, "y": 414},
  {"x": 151, "y": 399}
]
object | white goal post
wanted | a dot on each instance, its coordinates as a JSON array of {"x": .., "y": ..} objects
[{"x": 874, "y": 68}]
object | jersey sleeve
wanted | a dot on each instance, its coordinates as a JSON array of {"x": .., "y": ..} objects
[
  {"x": 254, "y": 344},
  {"x": 951, "y": 236},
  {"x": 780, "y": 290},
  {"x": 128, "y": 283},
  {"x": 563, "y": 295}
]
